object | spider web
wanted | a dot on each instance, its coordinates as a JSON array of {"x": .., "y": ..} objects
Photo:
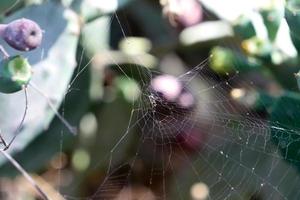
[
  {"x": 234, "y": 156},
  {"x": 220, "y": 149}
]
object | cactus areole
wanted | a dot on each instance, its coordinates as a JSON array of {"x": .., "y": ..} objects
[{"x": 15, "y": 73}]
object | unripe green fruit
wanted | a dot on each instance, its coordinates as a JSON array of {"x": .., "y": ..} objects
[
  {"x": 225, "y": 60},
  {"x": 222, "y": 60},
  {"x": 15, "y": 73}
]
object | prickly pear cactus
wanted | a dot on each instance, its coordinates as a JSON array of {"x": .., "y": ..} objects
[
  {"x": 53, "y": 63},
  {"x": 268, "y": 38}
]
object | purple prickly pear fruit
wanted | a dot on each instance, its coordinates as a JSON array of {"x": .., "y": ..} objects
[
  {"x": 183, "y": 13},
  {"x": 22, "y": 34},
  {"x": 170, "y": 96}
]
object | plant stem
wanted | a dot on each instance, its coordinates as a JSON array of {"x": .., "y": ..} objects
[
  {"x": 25, "y": 174},
  {"x": 2, "y": 29},
  {"x": 5, "y": 54}
]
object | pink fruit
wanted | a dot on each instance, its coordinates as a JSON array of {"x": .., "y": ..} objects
[
  {"x": 22, "y": 34},
  {"x": 184, "y": 13},
  {"x": 169, "y": 96}
]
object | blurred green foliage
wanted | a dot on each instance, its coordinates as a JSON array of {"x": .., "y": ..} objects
[{"x": 84, "y": 64}]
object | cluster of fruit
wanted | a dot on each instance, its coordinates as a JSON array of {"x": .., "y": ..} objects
[{"x": 15, "y": 71}]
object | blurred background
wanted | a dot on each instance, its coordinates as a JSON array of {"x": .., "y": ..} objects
[{"x": 171, "y": 99}]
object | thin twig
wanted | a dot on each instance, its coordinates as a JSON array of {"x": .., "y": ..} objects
[
  {"x": 17, "y": 131},
  {"x": 25, "y": 174},
  {"x": 2, "y": 140},
  {"x": 72, "y": 129},
  {"x": 4, "y": 52}
]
